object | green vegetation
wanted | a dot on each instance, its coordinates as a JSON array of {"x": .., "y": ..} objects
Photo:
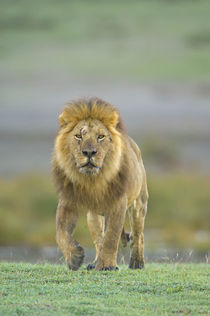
[
  {"x": 146, "y": 40},
  {"x": 159, "y": 289},
  {"x": 178, "y": 208},
  {"x": 27, "y": 211}
]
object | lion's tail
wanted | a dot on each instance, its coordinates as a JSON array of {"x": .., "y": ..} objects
[{"x": 125, "y": 238}]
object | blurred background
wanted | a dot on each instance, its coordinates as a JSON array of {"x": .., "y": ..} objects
[{"x": 149, "y": 58}]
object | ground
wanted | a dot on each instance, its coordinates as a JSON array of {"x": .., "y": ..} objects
[{"x": 159, "y": 289}]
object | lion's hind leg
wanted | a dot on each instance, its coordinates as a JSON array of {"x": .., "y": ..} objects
[
  {"x": 66, "y": 220},
  {"x": 137, "y": 213},
  {"x": 96, "y": 227}
]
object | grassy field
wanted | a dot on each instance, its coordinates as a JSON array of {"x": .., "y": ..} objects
[
  {"x": 159, "y": 289},
  {"x": 146, "y": 40}
]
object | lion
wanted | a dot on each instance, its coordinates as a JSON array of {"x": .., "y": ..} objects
[{"x": 97, "y": 168}]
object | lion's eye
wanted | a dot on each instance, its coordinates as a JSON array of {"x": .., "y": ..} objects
[
  {"x": 78, "y": 136},
  {"x": 100, "y": 137}
]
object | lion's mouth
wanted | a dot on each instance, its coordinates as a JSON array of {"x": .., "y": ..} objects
[
  {"x": 89, "y": 168},
  {"x": 89, "y": 164}
]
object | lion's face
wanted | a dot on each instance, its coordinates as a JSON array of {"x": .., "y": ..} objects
[{"x": 89, "y": 143}]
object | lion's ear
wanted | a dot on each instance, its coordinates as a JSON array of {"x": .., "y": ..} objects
[{"x": 62, "y": 120}]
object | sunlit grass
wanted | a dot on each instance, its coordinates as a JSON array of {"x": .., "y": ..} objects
[{"x": 159, "y": 289}]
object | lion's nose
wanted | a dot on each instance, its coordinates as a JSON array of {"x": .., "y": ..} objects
[{"x": 89, "y": 152}]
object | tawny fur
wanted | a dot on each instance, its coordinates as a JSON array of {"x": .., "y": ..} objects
[{"x": 105, "y": 184}]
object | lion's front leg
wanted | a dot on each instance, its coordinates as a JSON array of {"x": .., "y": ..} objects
[
  {"x": 66, "y": 220},
  {"x": 96, "y": 227},
  {"x": 107, "y": 259}
]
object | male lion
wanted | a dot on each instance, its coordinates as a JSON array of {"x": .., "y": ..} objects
[{"x": 98, "y": 168}]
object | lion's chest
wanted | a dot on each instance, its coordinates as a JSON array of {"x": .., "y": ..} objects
[{"x": 95, "y": 200}]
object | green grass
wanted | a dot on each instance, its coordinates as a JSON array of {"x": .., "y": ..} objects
[
  {"x": 159, "y": 289},
  {"x": 120, "y": 39}
]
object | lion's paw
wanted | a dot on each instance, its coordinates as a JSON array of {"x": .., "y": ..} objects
[
  {"x": 90, "y": 266},
  {"x": 109, "y": 268},
  {"x": 136, "y": 263},
  {"x": 76, "y": 259}
]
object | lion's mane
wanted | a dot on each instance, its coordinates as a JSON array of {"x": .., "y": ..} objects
[{"x": 112, "y": 181}]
